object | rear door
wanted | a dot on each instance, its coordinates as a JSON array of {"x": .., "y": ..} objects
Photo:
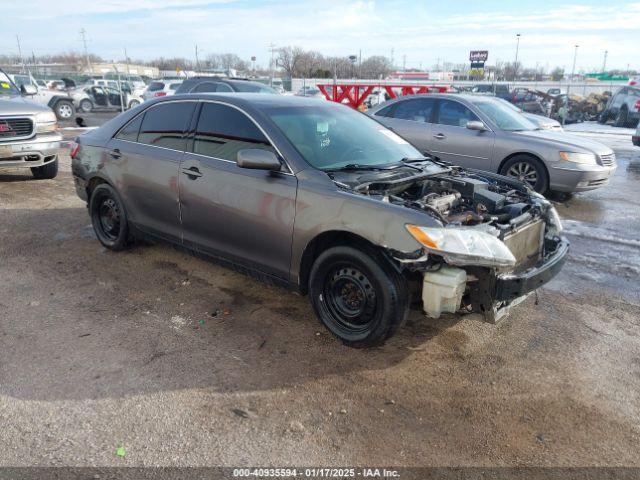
[
  {"x": 228, "y": 211},
  {"x": 411, "y": 119},
  {"x": 146, "y": 155},
  {"x": 453, "y": 142}
]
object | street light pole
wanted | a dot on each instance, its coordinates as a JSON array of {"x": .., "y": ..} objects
[{"x": 515, "y": 64}]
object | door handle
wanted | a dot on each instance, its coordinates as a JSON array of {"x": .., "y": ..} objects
[
  {"x": 192, "y": 172},
  {"x": 440, "y": 136},
  {"x": 115, "y": 153}
]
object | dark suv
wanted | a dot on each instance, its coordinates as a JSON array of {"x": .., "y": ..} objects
[
  {"x": 623, "y": 108},
  {"x": 222, "y": 85}
]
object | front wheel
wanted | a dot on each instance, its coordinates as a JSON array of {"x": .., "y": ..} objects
[
  {"x": 48, "y": 171},
  {"x": 358, "y": 296},
  {"x": 529, "y": 170},
  {"x": 109, "y": 218}
]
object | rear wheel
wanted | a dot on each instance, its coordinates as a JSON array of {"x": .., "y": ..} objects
[
  {"x": 64, "y": 110},
  {"x": 529, "y": 170},
  {"x": 358, "y": 296},
  {"x": 109, "y": 218},
  {"x": 48, "y": 171}
]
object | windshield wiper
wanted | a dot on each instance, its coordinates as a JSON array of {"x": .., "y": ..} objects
[{"x": 357, "y": 166}]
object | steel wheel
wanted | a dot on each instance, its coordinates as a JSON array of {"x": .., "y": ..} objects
[
  {"x": 524, "y": 172},
  {"x": 109, "y": 215},
  {"x": 350, "y": 298}
]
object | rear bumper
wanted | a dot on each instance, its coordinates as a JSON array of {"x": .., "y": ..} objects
[
  {"x": 494, "y": 295},
  {"x": 35, "y": 152}
]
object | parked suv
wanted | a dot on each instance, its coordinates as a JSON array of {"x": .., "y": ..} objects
[
  {"x": 160, "y": 88},
  {"x": 222, "y": 85},
  {"x": 623, "y": 108},
  {"x": 57, "y": 100},
  {"x": 28, "y": 132},
  {"x": 320, "y": 198}
]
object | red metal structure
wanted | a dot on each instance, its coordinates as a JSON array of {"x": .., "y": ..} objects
[{"x": 354, "y": 94}]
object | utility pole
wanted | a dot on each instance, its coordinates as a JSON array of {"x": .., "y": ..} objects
[
  {"x": 20, "y": 54},
  {"x": 515, "y": 64},
  {"x": 83, "y": 34},
  {"x": 573, "y": 71},
  {"x": 604, "y": 63},
  {"x": 197, "y": 60},
  {"x": 404, "y": 63},
  {"x": 126, "y": 61},
  {"x": 272, "y": 47}
]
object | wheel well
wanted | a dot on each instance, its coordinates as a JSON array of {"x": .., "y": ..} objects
[
  {"x": 526, "y": 154},
  {"x": 323, "y": 242},
  {"x": 93, "y": 183}
]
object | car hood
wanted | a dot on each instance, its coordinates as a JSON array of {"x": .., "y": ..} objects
[
  {"x": 564, "y": 140},
  {"x": 18, "y": 105},
  {"x": 541, "y": 119}
]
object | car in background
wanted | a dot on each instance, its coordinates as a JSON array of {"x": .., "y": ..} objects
[
  {"x": 527, "y": 101},
  {"x": 480, "y": 132},
  {"x": 160, "y": 88},
  {"x": 222, "y": 85},
  {"x": 542, "y": 122},
  {"x": 555, "y": 91},
  {"x": 29, "y": 136},
  {"x": 308, "y": 91},
  {"x": 634, "y": 81},
  {"x": 56, "y": 99},
  {"x": 317, "y": 197},
  {"x": 98, "y": 97},
  {"x": 635, "y": 138},
  {"x": 496, "y": 89},
  {"x": 623, "y": 107}
]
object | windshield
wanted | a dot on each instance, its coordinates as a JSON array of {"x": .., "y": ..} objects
[
  {"x": 504, "y": 117},
  {"x": 6, "y": 86},
  {"x": 332, "y": 137},
  {"x": 252, "y": 88}
]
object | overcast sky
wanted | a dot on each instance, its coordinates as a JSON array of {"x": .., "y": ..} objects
[{"x": 422, "y": 30}]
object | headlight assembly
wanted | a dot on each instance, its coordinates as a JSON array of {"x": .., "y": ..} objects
[
  {"x": 576, "y": 157},
  {"x": 464, "y": 246},
  {"x": 46, "y": 122}
]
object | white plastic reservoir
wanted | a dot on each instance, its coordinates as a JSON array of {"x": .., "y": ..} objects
[{"x": 442, "y": 291}]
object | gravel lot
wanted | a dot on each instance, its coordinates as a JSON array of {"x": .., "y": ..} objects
[{"x": 184, "y": 362}]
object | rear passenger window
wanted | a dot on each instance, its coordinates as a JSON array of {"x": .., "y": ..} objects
[
  {"x": 206, "y": 87},
  {"x": 416, "y": 110},
  {"x": 164, "y": 125},
  {"x": 130, "y": 131},
  {"x": 222, "y": 131},
  {"x": 386, "y": 111}
]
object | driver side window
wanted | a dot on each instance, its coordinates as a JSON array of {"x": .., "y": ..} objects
[{"x": 454, "y": 114}]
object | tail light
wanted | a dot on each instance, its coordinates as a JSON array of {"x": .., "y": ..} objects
[
  {"x": 637, "y": 105},
  {"x": 160, "y": 94},
  {"x": 75, "y": 149}
]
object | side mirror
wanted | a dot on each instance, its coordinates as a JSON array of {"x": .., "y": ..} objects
[
  {"x": 476, "y": 125},
  {"x": 258, "y": 159},
  {"x": 28, "y": 89}
]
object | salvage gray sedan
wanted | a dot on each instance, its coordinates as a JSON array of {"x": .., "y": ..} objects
[
  {"x": 480, "y": 132},
  {"x": 322, "y": 199}
]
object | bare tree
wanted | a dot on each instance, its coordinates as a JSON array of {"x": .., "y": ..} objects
[
  {"x": 376, "y": 66},
  {"x": 288, "y": 58}
]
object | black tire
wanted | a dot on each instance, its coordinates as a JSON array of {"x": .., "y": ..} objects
[
  {"x": 603, "y": 117},
  {"x": 621, "y": 118},
  {"x": 48, "y": 171},
  {"x": 109, "y": 218},
  {"x": 527, "y": 169},
  {"x": 358, "y": 295},
  {"x": 86, "y": 105},
  {"x": 64, "y": 110}
]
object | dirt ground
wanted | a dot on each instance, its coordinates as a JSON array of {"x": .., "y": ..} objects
[{"x": 186, "y": 363}]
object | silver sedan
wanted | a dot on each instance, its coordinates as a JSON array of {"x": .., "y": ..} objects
[{"x": 481, "y": 133}]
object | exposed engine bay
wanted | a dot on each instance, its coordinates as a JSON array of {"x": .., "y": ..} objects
[{"x": 457, "y": 197}]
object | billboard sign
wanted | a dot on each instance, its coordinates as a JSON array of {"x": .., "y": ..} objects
[{"x": 478, "y": 55}]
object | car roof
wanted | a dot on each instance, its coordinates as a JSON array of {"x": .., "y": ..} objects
[{"x": 250, "y": 100}]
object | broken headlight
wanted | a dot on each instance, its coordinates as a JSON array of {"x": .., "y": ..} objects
[{"x": 464, "y": 246}]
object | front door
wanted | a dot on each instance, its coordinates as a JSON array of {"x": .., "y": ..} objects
[
  {"x": 453, "y": 142},
  {"x": 411, "y": 119},
  {"x": 232, "y": 212}
]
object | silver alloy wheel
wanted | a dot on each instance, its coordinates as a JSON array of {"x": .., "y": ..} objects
[
  {"x": 65, "y": 110},
  {"x": 524, "y": 172}
]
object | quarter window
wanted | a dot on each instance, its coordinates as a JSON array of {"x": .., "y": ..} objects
[
  {"x": 164, "y": 125},
  {"x": 130, "y": 131},
  {"x": 455, "y": 114},
  {"x": 222, "y": 131}
]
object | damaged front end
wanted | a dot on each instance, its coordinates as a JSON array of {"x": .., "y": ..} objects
[{"x": 494, "y": 242}]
